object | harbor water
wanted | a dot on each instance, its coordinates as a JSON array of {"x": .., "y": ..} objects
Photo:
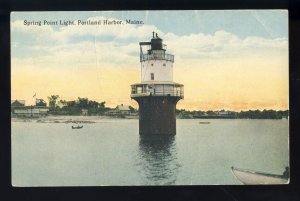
[{"x": 112, "y": 153}]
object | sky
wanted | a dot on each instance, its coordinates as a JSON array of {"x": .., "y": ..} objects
[{"x": 232, "y": 60}]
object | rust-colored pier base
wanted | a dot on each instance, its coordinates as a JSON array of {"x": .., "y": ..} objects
[{"x": 157, "y": 115}]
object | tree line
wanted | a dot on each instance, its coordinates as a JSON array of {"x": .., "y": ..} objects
[{"x": 74, "y": 107}]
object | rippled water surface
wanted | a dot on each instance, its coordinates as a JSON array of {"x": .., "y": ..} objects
[{"x": 113, "y": 153}]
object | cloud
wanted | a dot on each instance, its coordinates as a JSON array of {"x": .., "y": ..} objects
[
  {"x": 83, "y": 44},
  {"x": 121, "y": 42},
  {"x": 256, "y": 64},
  {"x": 222, "y": 45},
  {"x": 65, "y": 33},
  {"x": 118, "y": 32}
]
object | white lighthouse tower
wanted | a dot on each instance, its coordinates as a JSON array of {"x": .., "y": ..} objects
[{"x": 156, "y": 94}]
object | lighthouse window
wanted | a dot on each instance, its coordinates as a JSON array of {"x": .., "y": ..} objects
[
  {"x": 164, "y": 64},
  {"x": 152, "y": 76},
  {"x": 151, "y": 64}
]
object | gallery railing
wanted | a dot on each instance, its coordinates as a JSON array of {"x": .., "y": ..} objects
[
  {"x": 143, "y": 91},
  {"x": 168, "y": 57}
]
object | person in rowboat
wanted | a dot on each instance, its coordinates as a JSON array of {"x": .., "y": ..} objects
[{"x": 286, "y": 173}]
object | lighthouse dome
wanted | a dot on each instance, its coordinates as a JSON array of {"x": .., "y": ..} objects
[{"x": 156, "y": 44}]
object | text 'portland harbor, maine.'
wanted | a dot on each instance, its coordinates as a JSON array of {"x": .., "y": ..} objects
[{"x": 144, "y": 98}]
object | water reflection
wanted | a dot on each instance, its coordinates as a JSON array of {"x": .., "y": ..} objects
[{"x": 158, "y": 163}]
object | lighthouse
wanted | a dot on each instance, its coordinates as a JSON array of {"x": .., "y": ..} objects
[{"x": 156, "y": 94}]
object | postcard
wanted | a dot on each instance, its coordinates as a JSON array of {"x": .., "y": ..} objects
[{"x": 147, "y": 98}]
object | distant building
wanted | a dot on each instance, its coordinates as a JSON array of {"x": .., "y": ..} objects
[
  {"x": 123, "y": 110},
  {"x": 34, "y": 112},
  {"x": 223, "y": 112},
  {"x": 40, "y": 102},
  {"x": 18, "y": 109},
  {"x": 84, "y": 112},
  {"x": 17, "y": 103},
  {"x": 205, "y": 114}
]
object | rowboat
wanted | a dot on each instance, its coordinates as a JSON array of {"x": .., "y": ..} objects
[
  {"x": 250, "y": 177},
  {"x": 77, "y": 127},
  {"x": 204, "y": 122}
]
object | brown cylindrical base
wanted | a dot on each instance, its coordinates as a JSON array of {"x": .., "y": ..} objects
[{"x": 157, "y": 115}]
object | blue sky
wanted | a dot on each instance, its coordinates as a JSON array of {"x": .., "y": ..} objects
[
  {"x": 262, "y": 23},
  {"x": 267, "y": 24}
]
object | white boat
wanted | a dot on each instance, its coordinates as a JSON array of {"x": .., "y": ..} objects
[
  {"x": 250, "y": 177},
  {"x": 204, "y": 122}
]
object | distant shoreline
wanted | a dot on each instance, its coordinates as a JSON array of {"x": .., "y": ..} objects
[
  {"x": 64, "y": 119},
  {"x": 92, "y": 119}
]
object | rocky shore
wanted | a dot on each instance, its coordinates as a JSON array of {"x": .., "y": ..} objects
[{"x": 65, "y": 119}]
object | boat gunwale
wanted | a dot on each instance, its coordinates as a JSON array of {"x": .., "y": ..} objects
[{"x": 257, "y": 173}]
